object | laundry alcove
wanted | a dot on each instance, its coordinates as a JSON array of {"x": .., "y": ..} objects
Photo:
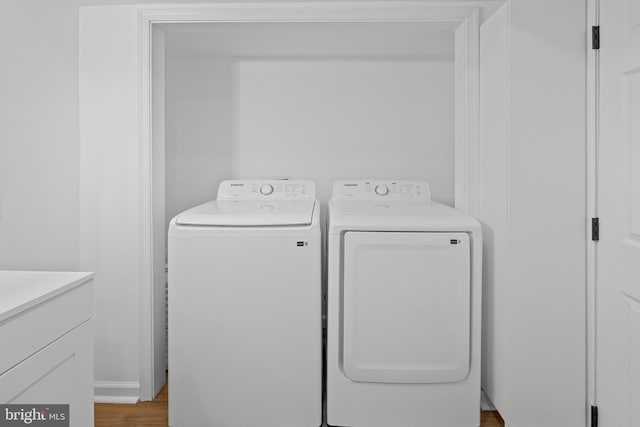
[{"x": 386, "y": 93}]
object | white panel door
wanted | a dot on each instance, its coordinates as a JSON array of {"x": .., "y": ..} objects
[
  {"x": 406, "y": 313},
  {"x": 618, "y": 280}
]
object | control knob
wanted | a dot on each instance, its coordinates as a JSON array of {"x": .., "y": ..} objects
[
  {"x": 382, "y": 190},
  {"x": 266, "y": 189}
]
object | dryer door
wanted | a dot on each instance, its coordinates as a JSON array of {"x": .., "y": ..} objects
[{"x": 406, "y": 307}]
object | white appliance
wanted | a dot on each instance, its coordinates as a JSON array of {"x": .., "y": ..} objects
[
  {"x": 404, "y": 299},
  {"x": 245, "y": 345}
]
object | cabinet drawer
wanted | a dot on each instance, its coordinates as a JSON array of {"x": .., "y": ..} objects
[{"x": 29, "y": 331}]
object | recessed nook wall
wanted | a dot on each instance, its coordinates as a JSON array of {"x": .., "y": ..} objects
[{"x": 316, "y": 101}]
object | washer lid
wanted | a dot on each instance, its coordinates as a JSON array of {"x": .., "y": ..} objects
[{"x": 249, "y": 213}]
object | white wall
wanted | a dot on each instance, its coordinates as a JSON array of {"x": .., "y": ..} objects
[
  {"x": 199, "y": 125},
  {"x": 252, "y": 118},
  {"x": 159, "y": 235},
  {"x": 109, "y": 191},
  {"x": 533, "y": 187},
  {"x": 39, "y": 143},
  {"x": 345, "y": 119}
]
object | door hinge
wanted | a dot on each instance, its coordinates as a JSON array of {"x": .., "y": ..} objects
[
  {"x": 594, "y": 416},
  {"x": 595, "y": 37},
  {"x": 595, "y": 229}
]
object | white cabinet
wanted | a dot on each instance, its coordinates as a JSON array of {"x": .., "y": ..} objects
[{"x": 46, "y": 327}]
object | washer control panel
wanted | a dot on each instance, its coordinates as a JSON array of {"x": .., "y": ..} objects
[
  {"x": 381, "y": 190},
  {"x": 267, "y": 189}
]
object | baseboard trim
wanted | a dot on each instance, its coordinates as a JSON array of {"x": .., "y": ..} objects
[
  {"x": 116, "y": 392},
  {"x": 485, "y": 402}
]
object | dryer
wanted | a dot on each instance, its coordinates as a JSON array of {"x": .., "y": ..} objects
[
  {"x": 245, "y": 346},
  {"x": 404, "y": 300}
]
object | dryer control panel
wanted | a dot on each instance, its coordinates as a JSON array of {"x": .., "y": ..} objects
[
  {"x": 414, "y": 191},
  {"x": 271, "y": 189}
]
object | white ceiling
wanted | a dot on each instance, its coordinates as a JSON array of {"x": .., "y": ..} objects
[{"x": 306, "y": 39}]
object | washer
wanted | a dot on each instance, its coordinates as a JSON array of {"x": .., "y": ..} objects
[
  {"x": 245, "y": 325},
  {"x": 404, "y": 299}
]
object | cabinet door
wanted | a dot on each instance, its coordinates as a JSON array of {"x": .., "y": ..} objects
[
  {"x": 60, "y": 373},
  {"x": 406, "y": 307}
]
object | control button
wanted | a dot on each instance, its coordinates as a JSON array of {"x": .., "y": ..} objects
[
  {"x": 382, "y": 190},
  {"x": 266, "y": 189}
]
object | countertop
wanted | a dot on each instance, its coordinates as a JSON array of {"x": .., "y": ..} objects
[{"x": 21, "y": 290}]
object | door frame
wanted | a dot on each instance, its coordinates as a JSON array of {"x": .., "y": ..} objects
[
  {"x": 592, "y": 200},
  {"x": 466, "y": 14},
  {"x": 591, "y": 208}
]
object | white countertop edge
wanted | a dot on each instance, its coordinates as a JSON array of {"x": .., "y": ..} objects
[{"x": 81, "y": 277}]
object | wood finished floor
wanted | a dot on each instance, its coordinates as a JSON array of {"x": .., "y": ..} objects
[{"x": 154, "y": 414}]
